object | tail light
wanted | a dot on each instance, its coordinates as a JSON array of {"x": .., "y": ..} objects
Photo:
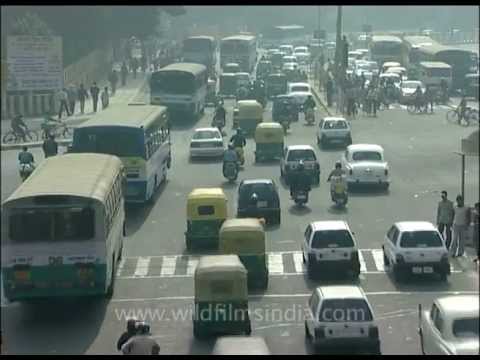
[
  {"x": 373, "y": 332},
  {"x": 386, "y": 172},
  {"x": 21, "y": 274},
  {"x": 320, "y": 332},
  {"x": 399, "y": 258},
  {"x": 85, "y": 271}
]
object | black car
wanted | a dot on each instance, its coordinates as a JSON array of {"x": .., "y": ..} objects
[{"x": 267, "y": 204}]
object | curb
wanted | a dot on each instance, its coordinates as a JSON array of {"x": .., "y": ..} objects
[
  {"x": 319, "y": 99},
  {"x": 34, "y": 144}
]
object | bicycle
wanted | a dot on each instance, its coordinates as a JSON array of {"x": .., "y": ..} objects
[
  {"x": 413, "y": 109},
  {"x": 13, "y": 137},
  {"x": 470, "y": 117}
]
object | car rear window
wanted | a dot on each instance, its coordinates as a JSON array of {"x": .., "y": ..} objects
[
  {"x": 204, "y": 135},
  {"x": 299, "y": 89},
  {"x": 332, "y": 239},
  {"x": 262, "y": 190},
  {"x": 345, "y": 310},
  {"x": 335, "y": 125},
  {"x": 420, "y": 239},
  {"x": 466, "y": 328},
  {"x": 297, "y": 155},
  {"x": 367, "y": 156}
]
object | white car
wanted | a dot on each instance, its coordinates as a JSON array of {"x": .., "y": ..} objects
[
  {"x": 302, "y": 54},
  {"x": 400, "y": 70},
  {"x": 329, "y": 247},
  {"x": 289, "y": 59},
  {"x": 407, "y": 90},
  {"x": 292, "y": 156},
  {"x": 365, "y": 164},
  {"x": 450, "y": 327},
  {"x": 300, "y": 91},
  {"x": 389, "y": 64},
  {"x": 290, "y": 66},
  {"x": 334, "y": 129},
  {"x": 341, "y": 315},
  {"x": 415, "y": 247},
  {"x": 288, "y": 49},
  {"x": 206, "y": 142}
]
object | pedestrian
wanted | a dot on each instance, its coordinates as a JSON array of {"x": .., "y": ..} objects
[
  {"x": 94, "y": 92},
  {"x": 72, "y": 95},
  {"x": 445, "y": 214},
  {"x": 113, "y": 79},
  {"x": 82, "y": 96},
  {"x": 363, "y": 79},
  {"x": 429, "y": 98},
  {"x": 142, "y": 343},
  {"x": 62, "y": 98},
  {"x": 124, "y": 73},
  {"x": 50, "y": 146},
  {"x": 131, "y": 331},
  {"x": 105, "y": 98},
  {"x": 476, "y": 220},
  {"x": 461, "y": 221},
  {"x": 134, "y": 67}
]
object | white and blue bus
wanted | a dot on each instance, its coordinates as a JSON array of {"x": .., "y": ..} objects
[
  {"x": 240, "y": 49},
  {"x": 182, "y": 87},
  {"x": 140, "y": 136},
  {"x": 63, "y": 229}
]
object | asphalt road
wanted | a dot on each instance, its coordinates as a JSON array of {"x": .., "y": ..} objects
[{"x": 420, "y": 150}]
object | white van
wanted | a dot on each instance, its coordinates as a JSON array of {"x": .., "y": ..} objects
[{"x": 433, "y": 72}]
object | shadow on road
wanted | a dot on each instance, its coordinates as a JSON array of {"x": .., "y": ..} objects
[
  {"x": 366, "y": 190},
  {"x": 299, "y": 210}
]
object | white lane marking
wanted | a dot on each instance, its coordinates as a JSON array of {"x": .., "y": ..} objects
[
  {"x": 142, "y": 267},
  {"x": 168, "y": 266},
  {"x": 191, "y": 265},
  {"x": 298, "y": 262},
  {"x": 378, "y": 258},
  {"x": 120, "y": 266},
  {"x": 275, "y": 264},
  {"x": 363, "y": 265},
  {"x": 305, "y": 295}
]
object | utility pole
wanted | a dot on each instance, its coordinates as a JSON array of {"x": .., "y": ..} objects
[{"x": 339, "y": 60}]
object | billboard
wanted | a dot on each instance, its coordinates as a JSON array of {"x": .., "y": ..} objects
[{"x": 34, "y": 63}]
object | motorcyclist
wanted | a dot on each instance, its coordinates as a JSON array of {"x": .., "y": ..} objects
[
  {"x": 220, "y": 114},
  {"x": 19, "y": 127},
  {"x": 418, "y": 94},
  {"x": 26, "y": 161},
  {"x": 142, "y": 343},
  {"x": 131, "y": 331},
  {"x": 230, "y": 155},
  {"x": 48, "y": 124},
  {"x": 238, "y": 141},
  {"x": 309, "y": 103},
  {"x": 337, "y": 172},
  {"x": 300, "y": 179}
]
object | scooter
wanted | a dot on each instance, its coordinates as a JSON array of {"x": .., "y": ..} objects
[
  {"x": 300, "y": 197},
  {"x": 285, "y": 122},
  {"x": 231, "y": 171},
  {"x": 310, "y": 116},
  {"x": 26, "y": 170},
  {"x": 240, "y": 154}
]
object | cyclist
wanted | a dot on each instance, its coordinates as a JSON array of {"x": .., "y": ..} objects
[
  {"x": 461, "y": 109},
  {"x": 418, "y": 94},
  {"x": 19, "y": 127}
]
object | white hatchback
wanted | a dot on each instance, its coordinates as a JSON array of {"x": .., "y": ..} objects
[
  {"x": 341, "y": 316},
  {"x": 415, "y": 247},
  {"x": 300, "y": 91},
  {"x": 365, "y": 164},
  {"x": 334, "y": 129},
  {"x": 206, "y": 142},
  {"x": 331, "y": 247}
]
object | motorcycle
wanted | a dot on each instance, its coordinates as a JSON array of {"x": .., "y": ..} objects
[
  {"x": 231, "y": 171},
  {"x": 26, "y": 170},
  {"x": 310, "y": 116},
  {"x": 339, "y": 191},
  {"x": 300, "y": 196},
  {"x": 285, "y": 122}
]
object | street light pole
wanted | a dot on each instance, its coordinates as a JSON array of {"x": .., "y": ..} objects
[{"x": 462, "y": 154}]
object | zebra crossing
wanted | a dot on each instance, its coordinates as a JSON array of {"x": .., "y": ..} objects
[
  {"x": 404, "y": 107},
  {"x": 282, "y": 263}
]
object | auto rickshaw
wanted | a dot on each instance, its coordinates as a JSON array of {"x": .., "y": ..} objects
[
  {"x": 276, "y": 84},
  {"x": 269, "y": 139},
  {"x": 206, "y": 212},
  {"x": 248, "y": 116},
  {"x": 240, "y": 345},
  {"x": 246, "y": 238},
  {"x": 221, "y": 297},
  {"x": 228, "y": 84},
  {"x": 280, "y": 106},
  {"x": 211, "y": 97},
  {"x": 231, "y": 68}
]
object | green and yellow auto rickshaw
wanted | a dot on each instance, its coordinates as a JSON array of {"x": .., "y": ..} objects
[
  {"x": 241, "y": 345},
  {"x": 246, "y": 238},
  {"x": 269, "y": 139},
  {"x": 248, "y": 114},
  {"x": 221, "y": 297},
  {"x": 206, "y": 212}
]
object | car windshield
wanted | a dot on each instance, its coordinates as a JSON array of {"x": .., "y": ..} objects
[
  {"x": 420, "y": 239},
  {"x": 335, "y": 124},
  {"x": 410, "y": 85},
  {"x": 345, "y": 310},
  {"x": 367, "y": 156},
  {"x": 299, "y": 89},
  {"x": 297, "y": 155},
  {"x": 466, "y": 328},
  {"x": 206, "y": 134},
  {"x": 332, "y": 239}
]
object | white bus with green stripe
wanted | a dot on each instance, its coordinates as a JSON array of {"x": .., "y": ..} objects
[
  {"x": 140, "y": 136},
  {"x": 63, "y": 228}
]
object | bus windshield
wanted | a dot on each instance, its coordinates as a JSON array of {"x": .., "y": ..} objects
[
  {"x": 387, "y": 48},
  {"x": 173, "y": 82},
  {"x": 52, "y": 224},
  {"x": 201, "y": 45},
  {"x": 121, "y": 142}
]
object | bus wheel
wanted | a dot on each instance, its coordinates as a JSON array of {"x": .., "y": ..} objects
[{"x": 112, "y": 280}]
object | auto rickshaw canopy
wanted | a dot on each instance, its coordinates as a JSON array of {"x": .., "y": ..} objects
[
  {"x": 269, "y": 132},
  {"x": 242, "y": 236},
  {"x": 220, "y": 278},
  {"x": 240, "y": 345},
  {"x": 207, "y": 204},
  {"x": 249, "y": 109}
]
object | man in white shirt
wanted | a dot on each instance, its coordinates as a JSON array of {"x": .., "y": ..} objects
[
  {"x": 461, "y": 221},
  {"x": 141, "y": 344},
  {"x": 62, "y": 97}
]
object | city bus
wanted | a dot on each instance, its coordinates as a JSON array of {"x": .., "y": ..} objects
[
  {"x": 140, "y": 136},
  {"x": 200, "y": 50},
  {"x": 182, "y": 87},
  {"x": 384, "y": 48},
  {"x": 285, "y": 34},
  {"x": 63, "y": 229},
  {"x": 240, "y": 49}
]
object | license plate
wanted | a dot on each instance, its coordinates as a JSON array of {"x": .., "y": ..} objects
[
  {"x": 346, "y": 332},
  {"x": 262, "y": 204},
  {"x": 428, "y": 269},
  {"x": 22, "y": 275},
  {"x": 417, "y": 270},
  {"x": 302, "y": 197}
]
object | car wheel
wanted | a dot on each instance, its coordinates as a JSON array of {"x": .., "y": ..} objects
[
  {"x": 443, "y": 276},
  {"x": 349, "y": 141},
  {"x": 376, "y": 349},
  {"x": 421, "y": 342},
  {"x": 318, "y": 140},
  {"x": 310, "y": 270},
  {"x": 398, "y": 275},
  {"x": 385, "y": 186},
  {"x": 317, "y": 179},
  {"x": 323, "y": 143},
  {"x": 303, "y": 258},
  {"x": 307, "y": 332},
  {"x": 188, "y": 243}
]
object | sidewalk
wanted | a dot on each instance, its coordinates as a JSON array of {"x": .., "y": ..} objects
[
  {"x": 131, "y": 92},
  {"x": 320, "y": 97}
]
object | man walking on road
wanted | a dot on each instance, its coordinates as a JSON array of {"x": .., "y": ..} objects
[
  {"x": 445, "y": 214},
  {"x": 82, "y": 96},
  {"x": 94, "y": 92},
  {"x": 124, "y": 73},
  {"x": 461, "y": 221},
  {"x": 72, "y": 97},
  {"x": 50, "y": 147},
  {"x": 62, "y": 98},
  {"x": 113, "y": 79}
]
